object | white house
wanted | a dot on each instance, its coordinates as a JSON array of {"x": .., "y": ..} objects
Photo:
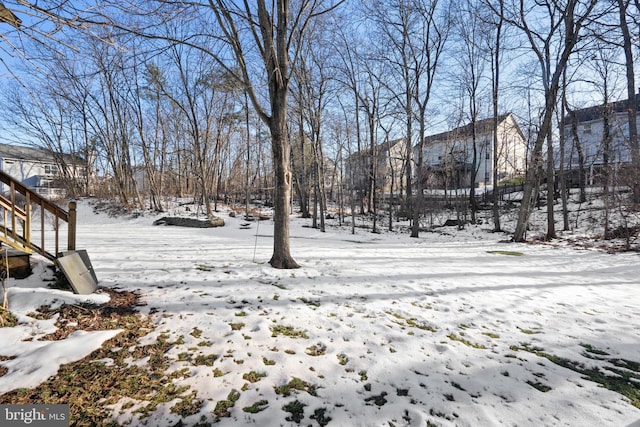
[
  {"x": 39, "y": 168},
  {"x": 589, "y": 125},
  {"x": 448, "y": 156},
  {"x": 389, "y": 167}
]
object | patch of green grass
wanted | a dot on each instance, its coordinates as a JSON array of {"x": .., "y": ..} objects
[
  {"x": 236, "y": 326},
  {"x": 454, "y": 337},
  {"x": 184, "y": 357},
  {"x": 342, "y": 359},
  {"x": 539, "y": 386},
  {"x": 205, "y": 360},
  {"x": 626, "y": 373},
  {"x": 288, "y": 331},
  {"x": 378, "y": 400},
  {"x": 196, "y": 333},
  {"x": 439, "y": 414},
  {"x": 7, "y": 319},
  {"x": 508, "y": 253},
  {"x": 363, "y": 375},
  {"x": 531, "y": 331},
  {"x": 309, "y": 302},
  {"x": 592, "y": 350},
  {"x": 319, "y": 416},
  {"x": 253, "y": 376},
  {"x": 458, "y": 386},
  {"x": 204, "y": 267},
  {"x": 317, "y": 350},
  {"x": 412, "y": 322},
  {"x": 217, "y": 373},
  {"x": 295, "y": 384},
  {"x": 259, "y": 406},
  {"x": 240, "y": 314},
  {"x": 188, "y": 405},
  {"x": 491, "y": 335},
  {"x": 268, "y": 362},
  {"x": 296, "y": 409},
  {"x": 223, "y": 407}
]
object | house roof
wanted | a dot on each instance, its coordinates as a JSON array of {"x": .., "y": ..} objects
[
  {"x": 381, "y": 149},
  {"x": 33, "y": 154},
  {"x": 597, "y": 111},
  {"x": 482, "y": 127}
]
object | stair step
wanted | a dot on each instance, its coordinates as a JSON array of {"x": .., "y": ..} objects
[{"x": 19, "y": 263}]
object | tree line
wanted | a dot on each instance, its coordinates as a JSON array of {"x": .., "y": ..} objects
[{"x": 234, "y": 101}]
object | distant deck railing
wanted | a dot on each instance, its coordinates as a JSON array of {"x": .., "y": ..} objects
[{"x": 17, "y": 206}]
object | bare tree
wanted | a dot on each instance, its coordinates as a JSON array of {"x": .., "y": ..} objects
[
  {"x": 272, "y": 32},
  {"x": 564, "y": 22},
  {"x": 473, "y": 33},
  {"x": 623, "y": 6},
  {"x": 314, "y": 86},
  {"x": 495, "y": 49},
  {"x": 426, "y": 58},
  {"x": 398, "y": 23}
]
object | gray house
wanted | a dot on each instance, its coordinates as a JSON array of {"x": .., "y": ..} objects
[
  {"x": 40, "y": 169},
  {"x": 584, "y": 132}
]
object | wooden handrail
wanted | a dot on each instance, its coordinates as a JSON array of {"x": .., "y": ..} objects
[{"x": 15, "y": 216}]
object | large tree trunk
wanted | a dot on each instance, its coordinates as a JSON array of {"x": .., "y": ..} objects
[
  {"x": 280, "y": 151},
  {"x": 572, "y": 29},
  {"x": 533, "y": 171}
]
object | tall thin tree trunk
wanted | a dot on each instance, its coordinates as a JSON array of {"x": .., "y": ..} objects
[
  {"x": 495, "y": 96},
  {"x": 631, "y": 94},
  {"x": 551, "y": 189}
]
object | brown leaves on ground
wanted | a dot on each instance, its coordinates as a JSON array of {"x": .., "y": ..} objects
[
  {"x": 119, "y": 313},
  {"x": 120, "y": 369}
]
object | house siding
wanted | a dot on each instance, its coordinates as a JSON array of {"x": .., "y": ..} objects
[
  {"x": 591, "y": 138},
  {"x": 36, "y": 168},
  {"x": 449, "y": 155}
]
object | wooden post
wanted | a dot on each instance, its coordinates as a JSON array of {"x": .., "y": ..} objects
[
  {"x": 71, "y": 237},
  {"x": 27, "y": 221},
  {"x": 13, "y": 210}
]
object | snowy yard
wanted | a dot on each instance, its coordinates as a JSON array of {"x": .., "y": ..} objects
[{"x": 373, "y": 330}]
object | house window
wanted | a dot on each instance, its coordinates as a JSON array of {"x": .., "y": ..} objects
[
  {"x": 586, "y": 128},
  {"x": 50, "y": 169}
]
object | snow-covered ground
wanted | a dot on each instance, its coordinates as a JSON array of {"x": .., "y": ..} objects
[{"x": 444, "y": 330}]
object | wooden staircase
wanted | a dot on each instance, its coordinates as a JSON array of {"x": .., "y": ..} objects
[{"x": 22, "y": 210}]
